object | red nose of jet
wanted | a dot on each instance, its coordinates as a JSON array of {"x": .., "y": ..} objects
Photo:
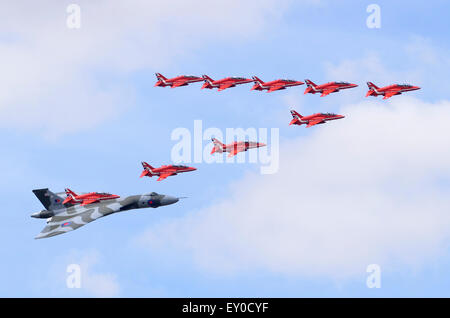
[{"x": 415, "y": 88}]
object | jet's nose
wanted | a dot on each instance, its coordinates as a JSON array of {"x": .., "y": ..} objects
[{"x": 167, "y": 199}]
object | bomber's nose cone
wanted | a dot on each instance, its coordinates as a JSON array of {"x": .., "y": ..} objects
[
  {"x": 167, "y": 199},
  {"x": 35, "y": 215}
]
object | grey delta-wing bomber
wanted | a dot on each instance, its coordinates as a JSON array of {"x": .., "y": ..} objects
[{"x": 62, "y": 218}]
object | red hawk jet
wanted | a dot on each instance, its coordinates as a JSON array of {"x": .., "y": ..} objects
[
  {"x": 87, "y": 198},
  {"x": 311, "y": 120},
  {"x": 273, "y": 85},
  {"x": 235, "y": 147},
  {"x": 178, "y": 81},
  {"x": 327, "y": 88},
  {"x": 224, "y": 83},
  {"x": 163, "y": 171},
  {"x": 389, "y": 91}
]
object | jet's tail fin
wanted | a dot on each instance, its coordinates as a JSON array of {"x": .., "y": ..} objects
[
  {"x": 70, "y": 196},
  {"x": 310, "y": 86},
  {"x": 147, "y": 170},
  {"x": 160, "y": 77},
  {"x": 208, "y": 79},
  {"x": 296, "y": 117},
  {"x": 49, "y": 200},
  {"x": 310, "y": 83},
  {"x": 257, "y": 80},
  {"x": 372, "y": 85},
  {"x": 70, "y": 192},
  {"x": 218, "y": 146}
]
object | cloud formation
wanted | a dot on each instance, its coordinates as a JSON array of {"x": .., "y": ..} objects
[{"x": 57, "y": 80}]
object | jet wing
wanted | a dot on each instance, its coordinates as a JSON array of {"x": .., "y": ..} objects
[
  {"x": 60, "y": 224},
  {"x": 162, "y": 176},
  {"x": 225, "y": 86},
  {"x": 326, "y": 92},
  {"x": 391, "y": 93},
  {"x": 178, "y": 84},
  {"x": 234, "y": 152},
  {"x": 275, "y": 88},
  {"x": 86, "y": 202},
  {"x": 314, "y": 122}
]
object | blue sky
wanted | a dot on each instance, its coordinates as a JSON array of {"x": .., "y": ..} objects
[{"x": 79, "y": 110}]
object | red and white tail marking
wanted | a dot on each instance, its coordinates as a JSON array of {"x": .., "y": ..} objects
[
  {"x": 218, "y": 146},
  {"x": 148, "y": 170}
]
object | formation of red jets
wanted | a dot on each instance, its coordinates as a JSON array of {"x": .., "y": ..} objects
[
  {"x": 279, "y": 84},
  {"x": 240, "y": 146}
]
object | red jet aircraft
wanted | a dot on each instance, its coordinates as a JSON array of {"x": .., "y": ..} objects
[
  {"x": 164, "y": 171},
  {"x": 235, "y": 147},
  {"x": 327, "y": 88},
  {"x": 178, "y": 81},
  {"x": 224, "y": 83},
  {"x": 311, "y": 120},
  {"x": 273, "y": 85},
  {"x": 389, "y": 91},
  {"x": 87, "y": 198}
]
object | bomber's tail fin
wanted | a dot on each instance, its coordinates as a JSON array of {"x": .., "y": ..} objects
[
  {"x": 147, "y": 170},
  {"x": 218, "y": 146},
  {"x": 49, "y": 200}
]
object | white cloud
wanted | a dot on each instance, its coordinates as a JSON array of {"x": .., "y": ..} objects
[
  {"x": 366, "y": 189},
  {"x": 422, "y": 63},
  {"x": 95, "y": 283},
  {"x": 53, "y": 79}
]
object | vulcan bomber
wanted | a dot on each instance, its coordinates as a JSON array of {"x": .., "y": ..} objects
[{"x": 63, "y": 216}]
